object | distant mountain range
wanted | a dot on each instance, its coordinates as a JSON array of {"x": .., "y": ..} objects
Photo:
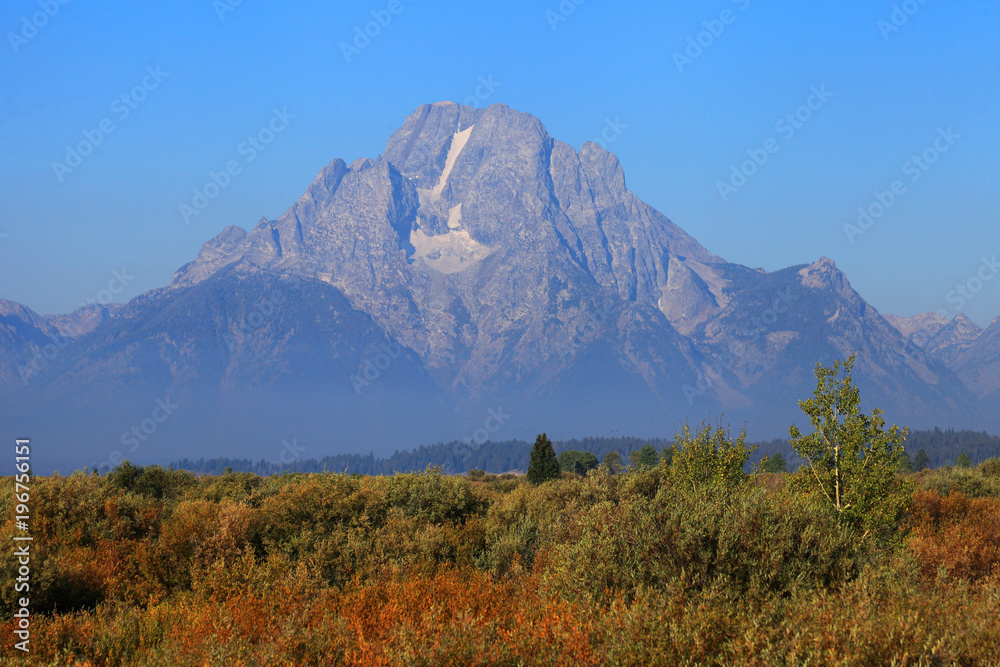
[{"x": 479, "y": 280}]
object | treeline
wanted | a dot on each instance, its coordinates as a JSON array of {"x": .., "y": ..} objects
[
  {"x": 943, "y": 448},
  {"x": 453, "y": 457}
]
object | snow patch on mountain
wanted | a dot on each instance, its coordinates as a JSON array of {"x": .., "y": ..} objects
[
  {"x": 455, "y": 217},
  {"x": 458, "y": 142},
  {"x": 448, "y": 253}
]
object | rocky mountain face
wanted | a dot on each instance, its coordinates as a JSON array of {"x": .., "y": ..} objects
[
  {"x": 83, "y": 320},
  {"x": 480, "y": 279},
  {"x": 972, "y": 353},
  {"x": 920, "y": 328},
  {"x": 951, "y": 341}
]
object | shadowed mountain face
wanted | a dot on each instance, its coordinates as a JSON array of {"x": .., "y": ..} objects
[{"x": 478, "y": 267}]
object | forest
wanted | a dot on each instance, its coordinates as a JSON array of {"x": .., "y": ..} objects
[{"x": 681, "y": 558}]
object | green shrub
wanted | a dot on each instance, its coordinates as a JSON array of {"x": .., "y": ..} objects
[
  {"x": 707, "y": 458},
  {"x": 990, "y": 467},
  {"x": 972, "y": 482},
  {"x": 522, "y": 522},
  {"x": 744, "y": 542},
  {"x": 432, "y": 496},
  {"x": 152, "y": 481},
  {"x": 236, "y": 486}
]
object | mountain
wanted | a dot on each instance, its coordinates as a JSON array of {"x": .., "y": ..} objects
[
  {"x": 972, "y": 353},
  {"x": 952, "y": 340},
  {"x": 479, "y": 279},
  {"x": 977, "y": 363},
  {"x": 28, "y": 341},
  {"x": 919, "y": 328},
  {"x": 23, "y": 336},
  {"x": 83, "y": 320}
]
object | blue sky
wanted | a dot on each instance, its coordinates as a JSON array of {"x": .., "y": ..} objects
[{"x": 221, "y": 71}]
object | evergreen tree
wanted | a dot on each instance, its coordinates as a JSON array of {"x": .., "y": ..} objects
[
  {"x": 544, "y": 465},
  {"x": 922, "y": 461},
  {"x": 963, "y": 461}
]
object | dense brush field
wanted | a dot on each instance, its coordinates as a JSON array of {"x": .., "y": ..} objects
[{"x": 147, "y": 566}]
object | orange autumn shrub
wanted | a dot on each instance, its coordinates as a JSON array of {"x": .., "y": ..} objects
[
  {"x": 959, "y": 534},
  {"x": 452, "y": 617}
]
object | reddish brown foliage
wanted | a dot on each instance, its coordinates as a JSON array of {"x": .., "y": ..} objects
[{"x": 959, "y": 534}]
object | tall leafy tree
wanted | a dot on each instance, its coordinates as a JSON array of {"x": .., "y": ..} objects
[
  {"x": 775, "y": 463},
  {"x": 573, "y": 460},
  {"x": 612, "y": 462},
  {"x": 647, "y": 457},
  {"x": 852, "y": 458},
  {"x": 544, "y": 465}
]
